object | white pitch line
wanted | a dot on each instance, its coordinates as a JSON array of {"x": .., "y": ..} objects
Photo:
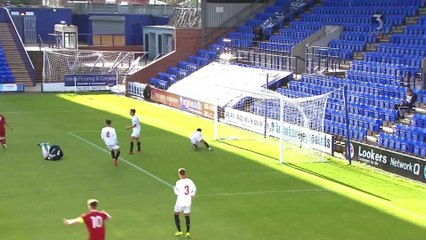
[
  {"x": 201, "y": 195},
  {"x": 124, "y": 160},
  {"x": 47, "y": 111},
  {"x": 263, "y": 192}
]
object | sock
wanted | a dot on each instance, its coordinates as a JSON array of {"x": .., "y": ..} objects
[
  {"x": 112, "y": 154},
  {"x": 206, "y": 144},
  {"x": 195, "y": 146},
  {"x": 177, "y": 222},
  {"x": 188, "y": 223},
  {"x": 131, "y": 146},
  {"x": 117, "y": 154},
  {"x": 139, "y": 146},
  {"x": 45, "y": 149}
]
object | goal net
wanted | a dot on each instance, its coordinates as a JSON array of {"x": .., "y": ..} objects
[
  {"x": 109, "y": 67},
  {"x": 289, "y": 129}
]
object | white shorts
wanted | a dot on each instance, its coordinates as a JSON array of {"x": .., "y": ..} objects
[
  {"x": 135, "y": 133},
  {"x": 194, "y": 141},
  {"x": 184, "y": 209},
  {"x": 113, "y": 147}
]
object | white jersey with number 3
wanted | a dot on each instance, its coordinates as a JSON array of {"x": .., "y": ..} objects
[
  {"x": 109, "y": 136},
  {"x": 185, "y": 189}
]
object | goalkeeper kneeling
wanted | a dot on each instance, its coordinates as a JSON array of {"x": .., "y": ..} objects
[
  {"x": 53, "y": 152},
  {"x": 196, "y": 138}
]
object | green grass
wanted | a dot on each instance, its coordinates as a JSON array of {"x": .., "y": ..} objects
[{"x": 241, "y": 194}]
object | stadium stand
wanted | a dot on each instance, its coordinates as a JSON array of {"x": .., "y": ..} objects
[
  {"x": 375, "y": 84},
  {"x": 6, "y": 75}
]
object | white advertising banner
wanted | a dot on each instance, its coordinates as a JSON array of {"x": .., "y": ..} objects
[{"x": 317, "y": 140}]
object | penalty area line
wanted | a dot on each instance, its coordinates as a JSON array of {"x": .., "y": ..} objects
[
  {"x": 122, "y": 159},
  {"x": 264, "y": 192}
]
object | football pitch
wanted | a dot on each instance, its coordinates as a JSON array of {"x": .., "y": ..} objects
[{"x": 241, "y": 194}]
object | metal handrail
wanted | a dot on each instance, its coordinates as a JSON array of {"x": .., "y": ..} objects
[
  {"x": 158, "y": 56},
  {"x": 21, "y": 47},
  {"x": 40, "y": 44}
]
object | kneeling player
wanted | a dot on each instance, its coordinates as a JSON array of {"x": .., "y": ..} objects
[
  {"x": 197, "y": 137},
  {"x": 53, "y": 153}
]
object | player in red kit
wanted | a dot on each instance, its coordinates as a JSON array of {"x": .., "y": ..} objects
[
  {"x": 3, "y": 124},
  {"x": 94, "y": 220}
]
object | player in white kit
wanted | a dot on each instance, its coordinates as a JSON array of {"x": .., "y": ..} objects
[
  {"x": 196, "y": 138},
  {"x": 185, "y": 190},
  {"x": 109, "y": 136},
  {"x": 136, "y": 129}
]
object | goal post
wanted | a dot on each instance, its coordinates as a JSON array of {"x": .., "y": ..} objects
[
  {"x": 87, "y": 70},
  {"x": 282, "y": 127}
]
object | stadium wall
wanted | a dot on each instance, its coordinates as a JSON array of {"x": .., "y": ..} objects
[
  {"x": 231, "y": 13},
  {"x": 188, "y": 42},
  {"x": 131, "y": 29},
  {"x": 46, "y": 18}
]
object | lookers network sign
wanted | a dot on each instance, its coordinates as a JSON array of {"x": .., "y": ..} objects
[{"x": 390, "y": 161}]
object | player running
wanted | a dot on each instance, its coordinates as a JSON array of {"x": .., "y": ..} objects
[
  {"x": 94, "y": 220},
  {"x": 185, "y": 190},
  {"x": 136, "y": 130},
  {"x": 109, "y": 136}
]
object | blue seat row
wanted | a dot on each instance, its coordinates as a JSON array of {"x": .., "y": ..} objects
[
  {"x": 348, "y": 45},
  {"x": 273, "y": 9},
  {"x": 282, "y": 3},
  {"x": 245, "y": 29},
  {"x": 178, "y": 72},
  {"x": 210, "y": 55},
  {"x": 372, "y": 77},
  {"x": 372, "y": 3},
  {"x": 303, "y": 25},
  {"x": 392, "y": 48},
  {"x": 421, "y": 95},
  {"x": 409, "y": 40},
  {"x": 254, "y": 22},
  {"x": 419, "y": 120},
  {"x": 411, "y": 61},
  {"x": 361, "y": 10},
  {"x": 198, "y": 61},
  {"x": 396, "y": 70},
  {"x": 296, "y": 33},
  {"x": 415, "y": 30},
  {"x": 358, "y": 36},
  {"x": 263, "y": 15},
  {"x": 6, "y": 75},
  {"x": 403, "y": 145},
  {"x": 411, "y": 132},
  {"x": 241, "y": 35},
  {"x": 355, "y": 132},
  {"x": 337, "y": 19},
  {"x": 239, "y": 43},
  {"x": 158, "y": 83},
  {"x": 190, "y": 67},
  {"x": 275, "y": 47}
]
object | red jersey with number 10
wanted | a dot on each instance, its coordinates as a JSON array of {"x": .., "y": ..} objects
[{"x": 95, "y": 223}]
